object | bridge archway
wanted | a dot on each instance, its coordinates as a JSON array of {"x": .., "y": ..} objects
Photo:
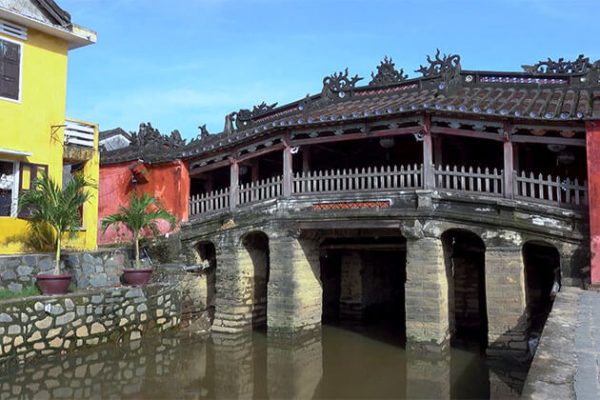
[
  {"x": 542, "y": 279},
  {"x": 464, "y": 254},
  {"x": 255, "y": 261},
  {"x": 207, "y": 258},
  {"x": 363, "y": 275}
]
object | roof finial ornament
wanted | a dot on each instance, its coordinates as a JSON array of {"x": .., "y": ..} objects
[
  {"x": 387, "y": 74},
  {"x": 580, "y": 65},
  {"x": 244, "y": 117},
  {"x": 339, "y": 85},
  {"x": 203, "y": 131},
  {"x": 229, "y": 119},
  {"x": 448, "y": 64}
]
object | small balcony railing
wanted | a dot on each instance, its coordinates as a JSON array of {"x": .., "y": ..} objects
[
  {"x": 79, "y": 133},
  {"x": 548, "y": 190}
]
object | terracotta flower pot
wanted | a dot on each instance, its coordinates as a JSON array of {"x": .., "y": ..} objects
[
  {"x": 53, "y": 284},
  {"x": 137, "y": 277}
]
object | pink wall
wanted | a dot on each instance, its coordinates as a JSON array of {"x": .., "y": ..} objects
[
  {"x": 593, "y": 167},
  {"x": 168, "y": 182}
]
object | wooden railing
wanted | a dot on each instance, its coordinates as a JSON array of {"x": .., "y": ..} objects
[
  {"x": 354, "y": 180},
  {"x": 478, "y": 180},
  {"x": 207, "y": 202},
  {"x": 79, "y": 133},
  {"x": 265, "y": 189},
  {"x": 550, "y": 190},
  {"x": 485, "y": 181}
]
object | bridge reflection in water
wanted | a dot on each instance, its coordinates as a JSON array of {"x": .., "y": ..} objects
[{"x": 337, "y": 362}]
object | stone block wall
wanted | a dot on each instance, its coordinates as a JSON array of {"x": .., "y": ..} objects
[
  {"x": 37, "y": 326},
  {"x": 90, "y": 269}
]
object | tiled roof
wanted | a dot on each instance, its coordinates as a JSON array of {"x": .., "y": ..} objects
[
  {"x": 559, "y": 91},
  {"x": 548, "y": 91},
  {"x": 114, "y": 132}
]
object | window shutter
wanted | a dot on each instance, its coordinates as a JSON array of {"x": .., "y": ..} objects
[
  {"x": 27, "y": 177},
  {"x": 10, "y": 54}
]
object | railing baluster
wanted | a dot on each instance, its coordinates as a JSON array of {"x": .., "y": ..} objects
[{"x": 471, "y": 187}]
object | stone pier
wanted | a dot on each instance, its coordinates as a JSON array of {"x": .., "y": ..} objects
[
  {"x": 294, "y": 289},
  {"x": 505, "y": 293},
  {"x": 426, "y": 294},
  {"x": 234, "y": 287}
]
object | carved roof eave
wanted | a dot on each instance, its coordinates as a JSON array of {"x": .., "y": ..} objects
[{"x": 370, "y": 120}]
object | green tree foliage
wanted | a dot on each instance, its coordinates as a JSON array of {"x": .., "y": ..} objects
[
  {"x": 57, "y": 208},
  {"x": 142, "y": 213}
]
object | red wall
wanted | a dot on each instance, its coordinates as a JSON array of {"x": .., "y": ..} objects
[
  {"x": 593, "y": 167},
  {"x": 168, "y": 182}
]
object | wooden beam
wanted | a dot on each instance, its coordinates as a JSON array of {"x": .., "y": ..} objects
[
  {"x": 257, "y": 153},
  {"x": 548, "y": 140},
  {"x": 357, "y": 136},
  {"x": 209, "y": 167},
  {"x": 463, "y": 132}
]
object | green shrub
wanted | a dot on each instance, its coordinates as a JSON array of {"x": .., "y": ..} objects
[{"x": 27, "y": 291}]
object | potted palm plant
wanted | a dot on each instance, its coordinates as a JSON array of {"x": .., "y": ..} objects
[
  {"x": 49, "y": 205},
  {"x": 141, "y": 214}
]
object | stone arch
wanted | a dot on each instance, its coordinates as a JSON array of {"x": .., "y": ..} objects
[
  {"x": 464, "y": 256},
  {"x": 542, "y": 267},
  {"x": 207, "y": 256},
  {"x": 254, "y": 262}
]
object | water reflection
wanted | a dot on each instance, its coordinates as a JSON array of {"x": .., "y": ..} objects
[{"x": 336, "y": 363}]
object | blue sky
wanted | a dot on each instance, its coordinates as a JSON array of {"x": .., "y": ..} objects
[{"x": 182, "y": 63}]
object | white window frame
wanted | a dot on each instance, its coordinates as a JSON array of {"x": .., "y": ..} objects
[
  {"x": 21, "y": 55},
  {"x": 14, "y": 203}
]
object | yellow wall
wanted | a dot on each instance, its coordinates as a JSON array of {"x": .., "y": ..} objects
[{"x": 27, "y": 126}]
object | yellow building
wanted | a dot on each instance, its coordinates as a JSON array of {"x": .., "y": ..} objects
[{"x": 35, "y": 137}]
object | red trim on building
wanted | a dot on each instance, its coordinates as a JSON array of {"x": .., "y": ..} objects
[{"x": 352, "y": 205}]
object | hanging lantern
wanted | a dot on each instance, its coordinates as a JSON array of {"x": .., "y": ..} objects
[
  {"x": 565, "y": 157},
  {"x": 386, "y": 143}
]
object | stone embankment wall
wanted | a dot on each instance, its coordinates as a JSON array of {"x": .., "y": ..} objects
[
  {"x": 115, "y": 372},
  {"x": 90, "y": 269},
  {"x": 48, "y": 325}
]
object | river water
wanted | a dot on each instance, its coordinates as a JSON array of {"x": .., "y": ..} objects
[{"x": 338, "y": 362}]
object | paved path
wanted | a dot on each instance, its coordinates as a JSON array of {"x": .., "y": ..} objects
[{"x": 567, "y": 362}]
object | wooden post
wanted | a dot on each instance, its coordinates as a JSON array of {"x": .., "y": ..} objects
[
  {"x": 306, "y": 159},
  {"x": 234, "y": 187},
  {"x": 508, "y": 163},
  {"x": 428, "y": 178},
  {"x": 287, "y": 171}
]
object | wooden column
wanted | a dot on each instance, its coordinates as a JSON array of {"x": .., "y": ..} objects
[
  {"x": 287, "y": 171},
  {"x": 306, "y": 159},
  {"x": 428, "y": 178},
  {"x": 234, "y": 180},
  {"x": 509, "y": 166}
]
